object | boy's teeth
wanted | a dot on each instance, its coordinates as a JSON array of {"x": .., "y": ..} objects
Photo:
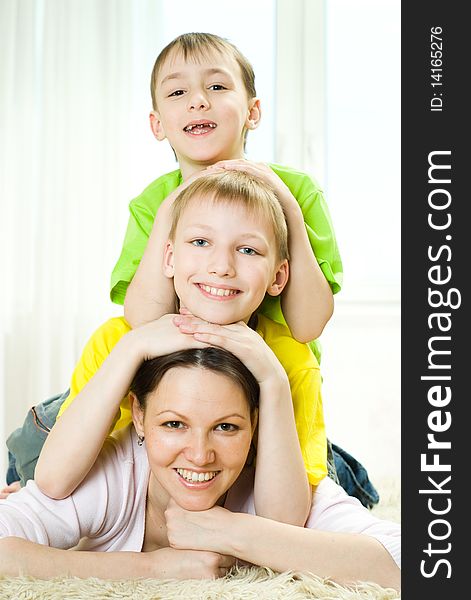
[
  {"x": 218, "y": 291},
  {"x": 200, "y": 126},
  {"x": 193, "y": 476}
]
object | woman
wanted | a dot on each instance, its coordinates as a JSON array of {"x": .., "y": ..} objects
[{"x": 170, "y": 489}]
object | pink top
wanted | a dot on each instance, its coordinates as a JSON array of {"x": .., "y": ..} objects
[
  {"x": 108, "y": 508},
  {"x": 107, "y": 511}
]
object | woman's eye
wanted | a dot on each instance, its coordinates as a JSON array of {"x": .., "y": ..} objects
[
  {"x": 248, "y": 251},
  {"x": 173, "y": 424},
  {"x": 226, "y": 427},
  {"x": 176, "y": 93},
  {"x": 199, "y": 243}
]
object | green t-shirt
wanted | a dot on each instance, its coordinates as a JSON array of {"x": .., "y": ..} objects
[{"x": 309, "y": 197}]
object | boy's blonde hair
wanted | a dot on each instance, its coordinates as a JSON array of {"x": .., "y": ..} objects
[
  {"x": 237, "y": 187},
  {"x": 200, "y": 45}
]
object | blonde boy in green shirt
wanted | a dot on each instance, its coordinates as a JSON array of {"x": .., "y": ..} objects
[{"x": 204, "y": 103}]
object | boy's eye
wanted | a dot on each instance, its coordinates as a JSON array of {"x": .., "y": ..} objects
[
  {"x": 217, "y": 87},
  {"x": 173, "y": 424},
  {"x": 248, "y": 251},
  {"x": 176, "y": 93},
  {"x": 199, "y": 243},
  {"x": 229, "y": 427}
]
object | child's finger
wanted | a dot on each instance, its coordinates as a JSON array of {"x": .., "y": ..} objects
[
  {"x": 211, "y": 339},
  {"x": 186, "y": 321},
  {"x": 239, "y": 347},
  {"x": 194, "y": 324},
  {"x": 229, "y": 164},
  {"x": 10, "y": 489}
]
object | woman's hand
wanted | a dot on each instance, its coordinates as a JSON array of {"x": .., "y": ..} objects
[
  {"x": 238, "y": 338},
  {"x": 172, "y": 563},
  {"x": 200, "y": 530}
]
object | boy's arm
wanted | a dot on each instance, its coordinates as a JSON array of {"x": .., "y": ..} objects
[
  {"x": 77, "y": 437},
  {"x": 282, "y": 493},
  {"x": 151, "y": 294},
  {"x": 307, "y": 300},
  {"x": 305, "y": 382}
]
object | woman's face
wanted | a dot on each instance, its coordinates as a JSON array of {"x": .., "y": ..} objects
[{"x": 197, "y": 427}]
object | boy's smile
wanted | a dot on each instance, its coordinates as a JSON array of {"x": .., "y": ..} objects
[
  {"x": 203, "y": 110},
  {"x": 199, "y": 127},
  {"x": 223, "y": 261},
  {"x": 219, "y": 292}
]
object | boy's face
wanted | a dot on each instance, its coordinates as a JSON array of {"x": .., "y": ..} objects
[
  {"x": 223, "y": 261},
  {"x": 203, "y": 110}
]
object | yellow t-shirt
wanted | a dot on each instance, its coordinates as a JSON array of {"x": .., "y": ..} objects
[{"x": 298, "y": 360}]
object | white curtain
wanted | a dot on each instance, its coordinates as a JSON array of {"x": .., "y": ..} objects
[{"x": 75, "y": 148}]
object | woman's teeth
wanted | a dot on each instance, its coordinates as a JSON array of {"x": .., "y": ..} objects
[
  {"x": 193, "y": 476},
  {"x": 218, "y": 291}
]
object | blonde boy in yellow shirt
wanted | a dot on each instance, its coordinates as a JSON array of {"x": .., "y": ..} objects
[{"x": 228, "y": 248}]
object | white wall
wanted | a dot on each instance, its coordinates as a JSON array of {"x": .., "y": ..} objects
[
  {"x": 338, "y": 118},
  {"x": 361, "y": 384},
  {"x": 362, "y": 357}
]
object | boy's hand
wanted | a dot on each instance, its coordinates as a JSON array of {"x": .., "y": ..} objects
[
  {"x": 238, "y": 338},
  {"x": 264, "y": 173},
  {"x": 169, "y": 200},
  {"x": 10, "y": 489},
  {"x": 164, "y": 214},
  {"x": 161, "y": 337},
  {"x": 163, "y": 222}
]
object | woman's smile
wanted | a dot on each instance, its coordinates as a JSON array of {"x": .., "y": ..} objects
[
  {"x": 198, "y": 429},
  {"x": 196, "y": 479}
]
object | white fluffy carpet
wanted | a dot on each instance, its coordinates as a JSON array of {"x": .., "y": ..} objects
[{"x": 243, "y": 584}]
